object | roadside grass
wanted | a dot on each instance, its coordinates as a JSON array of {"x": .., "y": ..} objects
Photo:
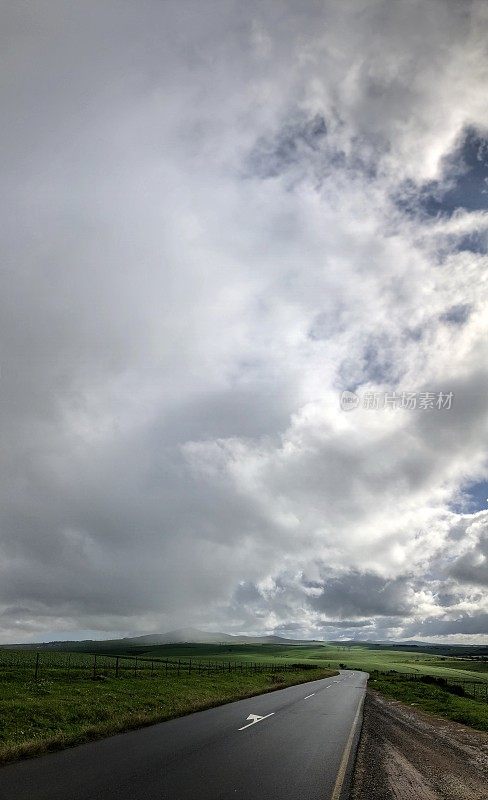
[
  {"x": 442, "y": 701},
  {"x": 50, "y": 714}
]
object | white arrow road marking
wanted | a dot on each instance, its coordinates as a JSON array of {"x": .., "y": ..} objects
[
  {"x": 255, "y": 718},
  {"x": 309, "y": 695}
]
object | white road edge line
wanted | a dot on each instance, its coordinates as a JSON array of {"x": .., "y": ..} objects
[
  {"x": 345, "y": 756},
  {"x": 309, "y": 695},
  {"x": 255, "y": 721}
]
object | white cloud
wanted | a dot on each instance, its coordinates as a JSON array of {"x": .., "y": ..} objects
[{"x": 205, "y": 245}]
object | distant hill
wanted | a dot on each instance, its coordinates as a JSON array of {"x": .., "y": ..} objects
[
  {"x": 180, "y": 636},
  {"x": 194, "y": 636},
  {"x": 383, "y": 643},
  {"x": 412, "y": 646}
]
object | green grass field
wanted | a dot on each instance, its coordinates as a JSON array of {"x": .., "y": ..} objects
[
  {"x": 435, "y": 699},
  {"x": 55, "y": 711},
  {"x": 326, "y": 656},
  {"x": 331, "y": 656}
]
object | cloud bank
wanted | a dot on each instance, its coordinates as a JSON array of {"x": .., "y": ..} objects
[{"x": 218, "y": 217}]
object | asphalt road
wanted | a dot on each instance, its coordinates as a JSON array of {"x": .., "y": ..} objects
[{"x": 298, "y": 750}]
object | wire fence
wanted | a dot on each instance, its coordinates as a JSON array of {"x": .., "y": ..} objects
[
  {"x": 37, "y": 665},
  {"x": 477, "y": 689}
]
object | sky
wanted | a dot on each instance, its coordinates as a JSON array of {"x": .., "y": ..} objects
[{"x": 218, "y": 218}]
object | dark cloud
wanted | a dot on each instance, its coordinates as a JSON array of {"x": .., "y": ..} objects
[
  {"x": 296, "y": 141},
  {"x": 247, "y": 593},
  {"x": 375, "y": 364},
  {"x": 364, "y": 593},
  {"x": 347, "y": 623},
  {"x": 466, "y": 624},
  {"x": 472, "y": 567},
  {"x": 456, "y": 315},
  {"x": 288, "y": 627},
  {"x": 446, "y": 598}
]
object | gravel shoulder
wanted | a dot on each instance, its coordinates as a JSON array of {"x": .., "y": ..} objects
[{"x": 406, "y": 754}]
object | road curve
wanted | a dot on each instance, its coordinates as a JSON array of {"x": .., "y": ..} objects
[{"x": 293, "y": 744}]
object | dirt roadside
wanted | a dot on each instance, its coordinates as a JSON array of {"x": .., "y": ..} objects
[{"x": 405, "y": 754}]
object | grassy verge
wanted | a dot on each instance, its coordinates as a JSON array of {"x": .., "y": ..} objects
[
  {"x": 36, "y": 717},
  {"x": 434, "y": 699}
]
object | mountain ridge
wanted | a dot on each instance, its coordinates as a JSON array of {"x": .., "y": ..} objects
[
  {"x": 187, "y": 635},
  {"x": 190, "y": 635}
]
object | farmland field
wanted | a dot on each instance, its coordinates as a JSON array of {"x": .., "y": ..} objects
[
  {"x": 331, "y": 656},
  {"x": 365, "y": 657}
]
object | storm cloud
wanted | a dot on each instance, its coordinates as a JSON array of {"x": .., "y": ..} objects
[{"x": 217, "y": 217}]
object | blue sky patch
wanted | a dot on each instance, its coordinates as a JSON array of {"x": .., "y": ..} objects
[
  {"x": 466, "y": 180},
  {"x": 474, "y": 242},
  {"x": 475, "y": 498},
  {"x": 464, "y": 186}
]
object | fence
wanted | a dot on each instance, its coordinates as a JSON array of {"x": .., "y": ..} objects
[
  {"x": 98, "y": 666},
  {"x": 478, "y": 690}
]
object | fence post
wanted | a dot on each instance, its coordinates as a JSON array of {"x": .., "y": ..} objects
[
  {"x": 69, "y": 663},
  {"x": 189, "y": 667},
  {"x": 178, "y": 667},
  {"x": 117, "y": 667},
  {"x": 135, "y": 668},
  {"x": 36, "y": 671},
  {"x": 94, "y": 666}
]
